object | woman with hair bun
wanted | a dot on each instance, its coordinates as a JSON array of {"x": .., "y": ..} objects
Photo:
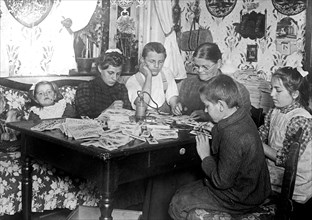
[{"x": 104, "y": 91}]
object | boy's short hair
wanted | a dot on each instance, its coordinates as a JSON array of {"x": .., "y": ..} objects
[
  {"x": 221, "y": 87},
  {"x": 155, "y": 47}
]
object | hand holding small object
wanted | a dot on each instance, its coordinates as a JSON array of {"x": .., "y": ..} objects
[
  {"x": 202, "y": 146},
  {"x": 208, "y": 126},
  {"x": 197, "y": 114},
  {"x": 118, "y": 104},
  {"x": 177, "y": 109}
]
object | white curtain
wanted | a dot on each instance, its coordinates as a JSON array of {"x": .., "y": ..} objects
[
  {"x": 46, "y": 48},
  {"x": 174, "y": 60}
]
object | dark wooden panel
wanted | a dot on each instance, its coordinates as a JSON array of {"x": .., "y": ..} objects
[{"x": 308, "y": 38}]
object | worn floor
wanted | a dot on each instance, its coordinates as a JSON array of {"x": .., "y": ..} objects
[{"x": 60, "y": 214}]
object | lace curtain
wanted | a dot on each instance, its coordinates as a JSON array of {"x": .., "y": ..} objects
[{"x": 46, "y": 48}]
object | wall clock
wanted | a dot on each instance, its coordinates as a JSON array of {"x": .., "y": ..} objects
[
  {"x": 220, "y": 8},
  {"x": 29, "y": 13},
  {"x": 289, "y": 7}
]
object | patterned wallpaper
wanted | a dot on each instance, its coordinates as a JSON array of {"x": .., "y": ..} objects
[{"x": 273, "y": 51}]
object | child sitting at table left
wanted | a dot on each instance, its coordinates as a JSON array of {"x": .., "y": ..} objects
[
  {"x": 52, "y": 189},
  {"x": 48, "y": 102}
]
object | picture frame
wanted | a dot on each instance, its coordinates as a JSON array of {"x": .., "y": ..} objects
[{"x": 252, "y": 53}]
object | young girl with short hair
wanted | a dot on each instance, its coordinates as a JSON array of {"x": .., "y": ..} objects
[{"x": 49, "y": 103}]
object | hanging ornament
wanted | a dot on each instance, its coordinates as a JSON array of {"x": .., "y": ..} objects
[
  {"x": 125, "y": 23},
  {"x": 29, "y": 13},
  {"x": 220, "y": 8},
  {"x": 288, "y": 7},
  {"x": 125, "y": 4}
]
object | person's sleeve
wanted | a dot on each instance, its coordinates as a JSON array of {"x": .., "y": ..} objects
[
  {"x": 132, "y": 86},
  {"x": 124, "y": 97},
  {"x": 245, "y": 97},
  {"x": 33, "y": 117},
  {"x": 306, "y": 137},
  {"x": 172, "y": 85},
  {"x": 83, "y": 100},
  {"x": 223, "y": 171},
  {"x": 70, "y": 111},
  {"x": 264, "y": 129}
]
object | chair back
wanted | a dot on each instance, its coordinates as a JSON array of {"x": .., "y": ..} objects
[{"x": 285, "y": 206}]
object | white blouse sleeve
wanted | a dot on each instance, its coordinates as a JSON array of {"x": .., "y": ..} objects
[{"x": 172, "y": 89}]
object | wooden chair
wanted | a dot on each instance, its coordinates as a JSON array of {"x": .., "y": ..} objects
[
  {"x": 279, "y": 205},
  {"x": 257, "y": 115}
]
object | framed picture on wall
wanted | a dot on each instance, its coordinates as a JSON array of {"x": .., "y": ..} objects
[{"x": 252, "y": 53}]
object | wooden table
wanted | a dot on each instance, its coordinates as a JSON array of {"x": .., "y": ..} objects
[{"x": 136, "y": 160}]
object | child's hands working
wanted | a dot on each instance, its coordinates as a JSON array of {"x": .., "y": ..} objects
[
  {"x": 203, "y": 146},
  {"x": 117, "y": 104},
  {"x": 199, "y": 115}
]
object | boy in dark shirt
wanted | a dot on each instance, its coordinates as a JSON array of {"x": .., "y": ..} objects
[{"x": 236, "y": 175}]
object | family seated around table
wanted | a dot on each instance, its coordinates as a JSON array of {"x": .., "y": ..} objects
[
  {"x": 240, "y": 165},
  {"x": 52, "y": 188}
]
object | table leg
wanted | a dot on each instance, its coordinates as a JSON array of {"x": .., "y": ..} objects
[
  {"x": 107, "y": 185},
  {"x": 26, "y": 181}
]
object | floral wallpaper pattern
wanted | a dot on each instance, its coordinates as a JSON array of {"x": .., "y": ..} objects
[{"x": 234, "y": 47}]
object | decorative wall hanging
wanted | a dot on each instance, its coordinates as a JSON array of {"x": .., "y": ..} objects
[
  {"x": 176, "y": 16},
  {"x": 252, "y": 53},
  {"x": 220, "y": 8},
  {"x": 189, "y": 40},
  {"x": 286, "y": 36},
  {"x": 29, "y": 13},
  {"x": 125, "y": 4},
  {"x": 125, "y": 38},
  {"x": 289, "y": 7},
  {"x": 252, "y": 25}
]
